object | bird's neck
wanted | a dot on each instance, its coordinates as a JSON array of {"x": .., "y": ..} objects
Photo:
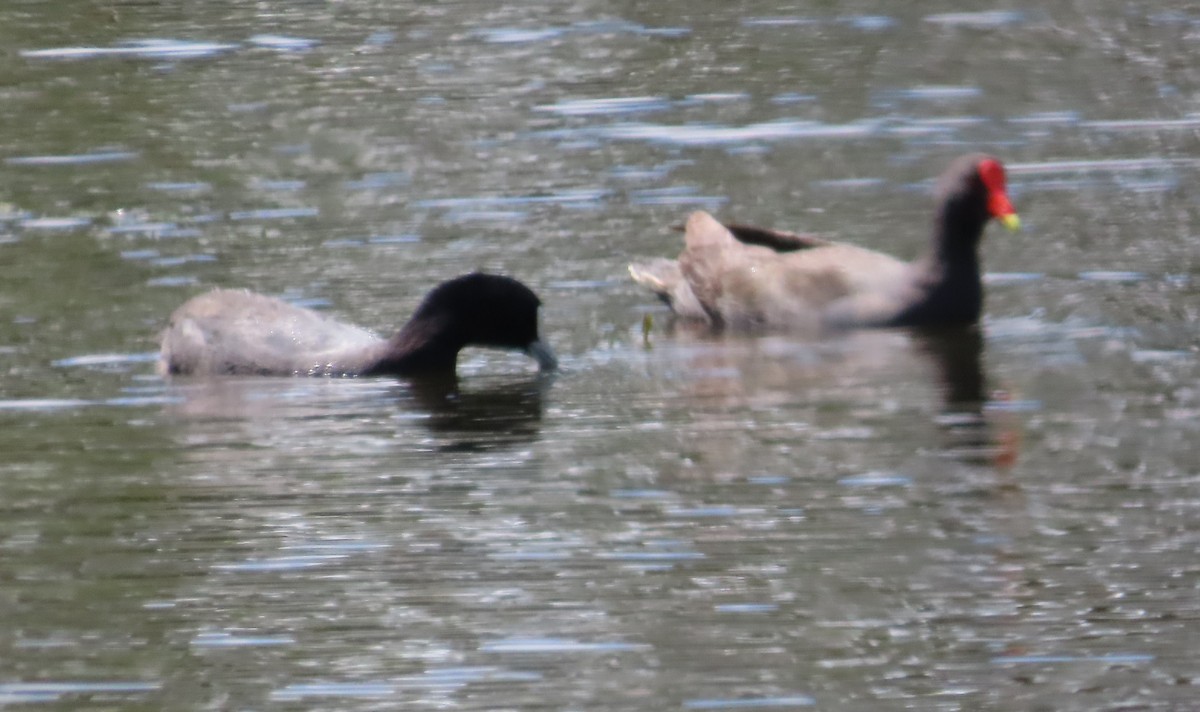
[
  {"x": 949, "y": 274},
  {"x": 957, "y": 230},
  {"x": 423, "y": 346}
]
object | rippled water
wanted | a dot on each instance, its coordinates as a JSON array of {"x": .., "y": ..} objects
[{"x": 893, "y": 520}]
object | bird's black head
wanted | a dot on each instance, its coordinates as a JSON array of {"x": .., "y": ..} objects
[
  {"x": 970, "y": 192},
  {"x": 476, "y": 309}
]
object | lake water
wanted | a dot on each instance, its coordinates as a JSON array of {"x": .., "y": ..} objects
[{"x": 876, "y": 521}]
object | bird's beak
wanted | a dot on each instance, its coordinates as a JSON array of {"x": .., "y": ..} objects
[
  {"x": 1011, "y": 221},
  {"x": 543, "y": 354},
  {"x": 1002, "y": 209}
]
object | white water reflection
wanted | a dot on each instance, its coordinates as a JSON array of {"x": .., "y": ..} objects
[
  {"x": 601, "y": 107},
  {"x": 982, "y": 19},
  {"x": 139, "y": 49},
  {"x": 751, "y": 703},
  {"x": 72, "y": 160},
  {"x": 707, "y": 135}
]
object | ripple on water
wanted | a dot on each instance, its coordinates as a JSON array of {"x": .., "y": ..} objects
[
  {"x": 1174, "y": 18},
  {"x": 486, "y": 216},
  {"x": 787, "y": 98},
  {"x": 657, "y": 556},
  {"x": 57, "y": 404},
  {"x": 726, "y": 97},
  {"x": 868, "y": 23},
  {"x": 933, "y": 93},
  {"x": 400, "y": 239},
  {"x": 375, "y": 181},
  {"x": 282, "y": 563},
  {"x": 715, "y": 135},
  {"x": 941, "y": 127},
  {"x": 876, "y": 479},
  {"x": 1184, "y": 124},
  {"x": 984, "y": 19},
  {"x": 29, "y": 692},
  {"x": 610, "y": 27},
  {"x": 113, "y": 359},
  {"x": 530, "y": 555},
  {"x": 178, "y": 260},
  {"x": 558, "y": 645},
  {"x": 1012, "y": 405},
  {"x": 740, "y": 703},
  {"x": 334, "y": 689},
  {"x": 849, "y": 183},
  {"x": 283, "y": 186},
  {"x": 992, "y": 278},
  {"x": 289, "y": 149},
  {"x": 710, "y": 511},
  {"x": 768, "y": 479},
  {"x": 180, "y": 186},
  {"x": 1112, "y": 276},
  {"x": 174, "y": 281},
  {"x": 55, "y": 223},
  {"x": 180, "y": 233},
  {"x": 577, "y": 285},
  {"x": 1152, "y": 184},
  {"x": 577, "y": 197},
  {"x": 644, "y": 173},
  {"x": 1048, "y": 118},
  {"x": 229, "y": 640},
  {"x": 605, "y": 107},
  {"x": 156, "y": 49},
  {"x": 42, "y": 404},
  {"x": 1114, "y": 165},
  {"x": 780, "y": 21},
  {"x": 151, "y": 229},
  {"x": 283, "y": 43},
  {"x": 344, "y": 242},
  {"x": 518, "y": 35},
  {"x": 274, "y": 214},
  {"x": 1109, "y": 658},
  {"x": 447, "y": 679},
  {"x": 675, "y": 195},
  {"x": 649, "y": 494},
  {"x": 1054, "y": 343},
  {"x": 142, "y": 401},
  {"x": 1161, "y": 356},
  {"x": 72, "y": 159},
  {"x": 745, "y": 608}
]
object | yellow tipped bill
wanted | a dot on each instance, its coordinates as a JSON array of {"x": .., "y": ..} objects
[{"x": 1011, "y": 221}]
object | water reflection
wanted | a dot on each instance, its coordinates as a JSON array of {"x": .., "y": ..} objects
[
  {"x": 713, "y": 523},
  {"x": 474, "y": 415},
  {"x": 871, "y": 371},
  {"x": 957, "y": 357},
  {"x": 476, "y": 418}
]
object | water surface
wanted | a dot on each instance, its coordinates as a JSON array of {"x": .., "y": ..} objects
[{"x": 998, "y": 519}]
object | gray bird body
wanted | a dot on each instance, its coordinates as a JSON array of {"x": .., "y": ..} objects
[{"x": 238, "y": 332}]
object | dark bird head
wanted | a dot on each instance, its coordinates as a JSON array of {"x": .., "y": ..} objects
[
  {"x": 970, "y": 192},
  {"x": 476, "y": 309}
]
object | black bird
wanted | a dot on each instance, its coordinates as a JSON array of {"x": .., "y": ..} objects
[
  {"x": 237, "y": 332},
  {"x": 747, "y": 277}
]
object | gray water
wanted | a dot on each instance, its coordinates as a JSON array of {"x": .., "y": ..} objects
[{"x": 874, "y": 521}]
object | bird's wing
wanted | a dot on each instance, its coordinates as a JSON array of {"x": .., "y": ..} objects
[
  {"x": 665, "y": 278},
  {"x": 750, "y": 285},
  {"x": 778, "y": 240}
]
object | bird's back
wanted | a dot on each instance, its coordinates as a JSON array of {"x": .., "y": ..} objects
[
  {"x": 830, "y": 284},
  {"x": 239, "y": 332}
]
